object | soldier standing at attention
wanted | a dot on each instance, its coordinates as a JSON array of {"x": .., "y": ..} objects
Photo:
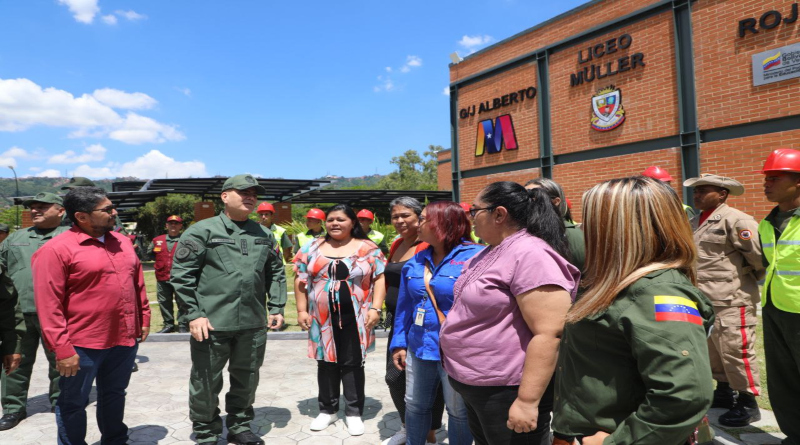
[
  {"x": 728, "y": 269},
  {"x": 162, "y": 248},
  {"x": 365, "y": 219},
  {"x": 15, "y": 262},
  {"x": 221, "y": 272},
  {"x": 284, "y": 245},
  {"x": 780, "y": 241}
]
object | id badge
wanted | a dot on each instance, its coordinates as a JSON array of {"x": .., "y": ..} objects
[{"x": 420, "y": 319}]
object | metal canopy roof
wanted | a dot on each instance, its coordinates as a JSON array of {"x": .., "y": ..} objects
[
  {"x": 126, "y": 202},
  {"x": 366, "y": 198},
  {"x": 277, "y": 189}
]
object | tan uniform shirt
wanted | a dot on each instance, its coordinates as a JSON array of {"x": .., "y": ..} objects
[{"x": 729, "y": 263}]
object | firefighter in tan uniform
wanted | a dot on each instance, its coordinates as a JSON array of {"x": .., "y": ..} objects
[{"x": 728, "y": 268}]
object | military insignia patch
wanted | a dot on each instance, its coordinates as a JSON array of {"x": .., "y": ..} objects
[
  {"x": 607, "y": 109},
  {"x": 745, "y": 235},
  {"x": 182, "y": 253},
  {"x": 674, "y": 308}
]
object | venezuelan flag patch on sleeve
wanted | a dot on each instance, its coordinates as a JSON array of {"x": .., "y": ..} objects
[{"x": 673, "y": 308}]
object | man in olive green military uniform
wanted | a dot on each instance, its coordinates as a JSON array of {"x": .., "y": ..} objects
[
  {"x": 4, "y": 230},
  {"x": 221, "y": 272},
  {"x": 15, "y": 261},
  {"x": 728, "y": 269},
  {"x": 12, "y": 329}
]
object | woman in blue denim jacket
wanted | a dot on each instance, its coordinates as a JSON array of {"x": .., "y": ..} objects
[{"x": 443, "y": 225}]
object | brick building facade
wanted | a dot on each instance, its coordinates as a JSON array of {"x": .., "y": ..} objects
[{"x": 672, "y": 83}]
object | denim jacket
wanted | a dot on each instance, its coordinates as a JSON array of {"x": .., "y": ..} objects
[{"x": 423, "y": 340}]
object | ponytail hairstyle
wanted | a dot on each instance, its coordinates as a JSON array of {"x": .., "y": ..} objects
[
  {"x": 357, "y": 231},
  {"x": 530, "y": 209},
  {"x": 554, "y": 190}
]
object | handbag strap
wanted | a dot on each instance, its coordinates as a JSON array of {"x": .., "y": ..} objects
[{"x": 428, "y": 276}]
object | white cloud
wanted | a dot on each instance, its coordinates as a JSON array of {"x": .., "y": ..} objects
[
  {"x": 472, "y": 43},
  {"x": 109, "y": 19},
  {"x": 153, "y": 164},
  {"x": 411, "y": 62},
  {"x": 120, "y": 99},
  {"x": 446, "y": 91},
  {"x": 186, "y": 92},
  {"x": 6, "y": 161},
  {"x": 387, "y": 85},
  {"x": 35, "y": 169},
  {"x": 16, "y": 152},
  {"x": 24, "y": 104},
  {"x": 49, "y": 173},
  {"x": 130, "y": 15},
  {"x": 83, "y": 10},
  {"x": 92, "y": 153}
]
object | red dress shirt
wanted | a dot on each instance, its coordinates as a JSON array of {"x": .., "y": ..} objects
[{"x": 89, "y": 293}]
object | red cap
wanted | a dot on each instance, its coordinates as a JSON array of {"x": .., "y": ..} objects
[
  {"x": 782, "y": 159},
  {"x": 465, "y": 206},
  {"x": 569, "y": 204},
  {"x": 175, "y": 218},
  {"x": 316, "y": 214},
  {"x": 657, "y": 172},
  {"x": 265, "y": 207},
  {"x": 364, "y": 213}
]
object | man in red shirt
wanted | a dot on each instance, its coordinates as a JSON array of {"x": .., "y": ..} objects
[{"x": 89, "y": 291}]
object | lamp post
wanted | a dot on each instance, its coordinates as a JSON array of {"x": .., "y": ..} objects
[{"x": 16, "y": 182}]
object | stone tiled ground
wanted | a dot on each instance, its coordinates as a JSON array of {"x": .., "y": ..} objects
[{"x": 286, "y": 401}]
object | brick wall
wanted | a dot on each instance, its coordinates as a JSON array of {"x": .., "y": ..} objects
[
  {"x": 648, "y": 93},
  {"x": 723, "y": 66},
  {"x": 556, "y": 31},
  {"x": 470, "y": 187},
  {"x": 445, "y": 170}
]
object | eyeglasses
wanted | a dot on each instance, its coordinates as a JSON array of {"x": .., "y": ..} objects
[
  {"x": 110, "y": 209},
  {"x": 473, "y": 211}
]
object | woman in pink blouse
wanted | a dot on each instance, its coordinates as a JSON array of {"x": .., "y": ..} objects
[
  {"x": 500, "y": 339},
  {"x": 339, "y": 290}
]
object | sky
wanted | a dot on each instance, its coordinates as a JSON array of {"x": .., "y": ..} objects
[{"x": 197, "y": 88}]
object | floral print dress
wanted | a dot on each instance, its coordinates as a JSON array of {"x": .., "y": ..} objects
[{"x": 312, "y": 268}]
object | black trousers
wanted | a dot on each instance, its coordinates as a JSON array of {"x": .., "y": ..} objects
[
  {"x": 348, "y": 372},
  {"x": 396, "y": 381},
  {"x": 487, "y": 410}
]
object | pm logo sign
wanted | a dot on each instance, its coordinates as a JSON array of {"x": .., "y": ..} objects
[{"x": 494, "y": 136}]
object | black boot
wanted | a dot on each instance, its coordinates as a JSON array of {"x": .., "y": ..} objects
[
  {"x": 167, "y": 329},
  {"x": 743, "y": 413},
  {"x": 723, "y": 396},
  {"x": 245, "y": 438},
  {"x": 11, "y": 420}
]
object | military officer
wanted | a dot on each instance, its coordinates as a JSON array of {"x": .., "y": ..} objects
[
  {"x": 12, "y": 328},
  {"x": 15, "y": 261},
  {"x": 365, "y": 219},
  {"x": 316, "y": 229},
  {"x": 221, "y": 271},
  {"x": 266, "y": 213},
  {"x": 3, "y": 232},
  {"x": 162, "y": 249},
  {"x": 780, "y": 240},
  {"x": 728, "y": 269},
  {"x": 663, "y": 175}
]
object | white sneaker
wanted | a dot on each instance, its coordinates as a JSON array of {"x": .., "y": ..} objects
[
  {"x": 399, "y": 437},
  {"x": 354, "y": 425},
  {"x": 322, "y": 421}
]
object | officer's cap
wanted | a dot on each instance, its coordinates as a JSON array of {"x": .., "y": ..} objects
[
  {"x": 45, "y": 197},
  {"x": 733, "y": 186},
  {"x": 243, "y": 182},
  {"x": 4, "y": 228},
  {"x": 78, "y": 181}
]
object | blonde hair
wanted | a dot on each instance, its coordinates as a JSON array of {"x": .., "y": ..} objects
[{"x": 632, "y": 226}]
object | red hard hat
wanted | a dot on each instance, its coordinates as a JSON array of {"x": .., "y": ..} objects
[
  {"x": 175, "y": 218},
  {"x": 265, "y": 207},
  {"x": 569, "y": 204},
  {"x": 316, "y": 214},
  {"x": 657, "y": 172},
  {"x": 464, "y": 206},
  {"x": 364, "y": 213},
  {"x": 782, "y": 159}
]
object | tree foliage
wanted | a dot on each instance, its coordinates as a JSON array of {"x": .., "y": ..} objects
[
  {"x": 152, "y": 218},
  {"x": 414, "y": 172}
]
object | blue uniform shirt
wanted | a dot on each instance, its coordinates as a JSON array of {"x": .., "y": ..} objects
[{"x": 423, "y": 340}]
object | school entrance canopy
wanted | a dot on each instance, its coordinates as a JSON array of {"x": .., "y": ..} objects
[
  {"x": 367, "y": 198},
  {"x": 209, "y": 188},
  {"x": 126, "y": 201}
]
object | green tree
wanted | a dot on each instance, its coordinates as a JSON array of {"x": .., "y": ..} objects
[
  {"x": 152, "y": 218},
  {"x": 414, "y": 172}
]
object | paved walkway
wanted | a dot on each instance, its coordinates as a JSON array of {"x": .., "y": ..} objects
[{"x": 286, "y": 401}]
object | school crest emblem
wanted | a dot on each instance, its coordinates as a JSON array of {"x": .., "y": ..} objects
[{"x": 607, "y": 109}]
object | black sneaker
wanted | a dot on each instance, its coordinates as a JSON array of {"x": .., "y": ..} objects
[
  {"x": 723, "y": 396},
  {"x": 183, "y": 329},
  {"x": 135, "y": 367},
  {"x": 245, "y": 438},
  {"x": 166, "y": 330},
  {"x": 743, "y": 413},
  {"x": 11, "y": 420}
]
